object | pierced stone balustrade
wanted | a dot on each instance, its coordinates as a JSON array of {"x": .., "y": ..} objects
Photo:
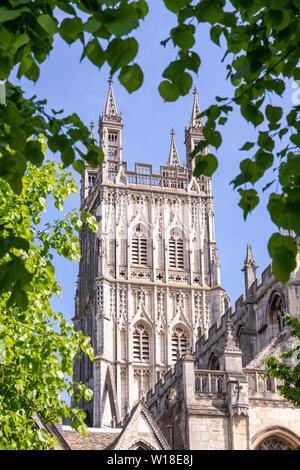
[
  {"x": 210, "y": 381},
  {"x": 257, "y": 382}
]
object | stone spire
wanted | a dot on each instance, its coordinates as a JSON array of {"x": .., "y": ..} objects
[
  {"x": 110, "y": 109},
  {"x": 193, "y": 134},
  {"x": 249, "y": 268},
  {"x": 173, "y": 159},
  {"x": 195, "y": 121},
  {"x": 110, "y": 128}
]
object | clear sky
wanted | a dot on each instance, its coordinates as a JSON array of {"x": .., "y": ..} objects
[{"x": 82, "y": 88}]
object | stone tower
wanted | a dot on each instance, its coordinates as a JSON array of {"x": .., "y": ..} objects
[{"x": 149, "y": 280}]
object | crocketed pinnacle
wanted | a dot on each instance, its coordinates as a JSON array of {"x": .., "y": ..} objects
[
  {"x": 230, "y": 344},
  {"x": 173, "y": 159},
  {"x": 110, "y": 108},
  {"x": 195, "y": 121},
  {"x": 249, "y": 261}
]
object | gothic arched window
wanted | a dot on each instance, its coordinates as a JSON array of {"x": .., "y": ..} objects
[
  {"x": 176, "y": 248},
  {"x": 112, "y": 145},
  {"x": 213, "y": 363},
  {"x": 139, "y": 246},
  {"x": 179, "y": 343},
  {"x": 274, "y": 443},
  {"x": 276, "y": 314},
  {"x": 141, "y": 343}
]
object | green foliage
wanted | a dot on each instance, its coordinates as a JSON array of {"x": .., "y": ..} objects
[
  {"x": 288, "y": 374},
  {"x": 262, "y": 43},
  {"x": 39, "y": 345}
]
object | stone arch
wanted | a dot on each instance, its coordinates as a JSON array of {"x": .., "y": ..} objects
[
  {"x": 141, "y": 340},
  {"x": 140, "y": 239},
  {"x": 177, "y": 242},
  {"x": 275, "y": 312},
  {"x": 180, "y": 337},
  {"x": 213, "y": 362},
  {"x": 141, "y": 444},
  {"x": 275, "y": 438},
  {"x": 239, "y": 335}
]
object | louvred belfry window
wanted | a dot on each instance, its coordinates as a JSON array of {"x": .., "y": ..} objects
[
  {"x": 176, "y": 256},
  {"x": 139, "y": 247},
  {"x": 179, "y": 343},
  {"x": 141, "y": 347},
  {"x": 112, "y": 145}
]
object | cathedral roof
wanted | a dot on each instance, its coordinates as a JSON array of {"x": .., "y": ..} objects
[{"x": 97, "y": 438}]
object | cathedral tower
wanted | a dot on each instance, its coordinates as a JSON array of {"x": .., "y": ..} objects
[{"x": 150, "y": 278}]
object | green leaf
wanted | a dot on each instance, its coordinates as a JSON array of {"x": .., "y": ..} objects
[
  {"x": 249, "y": 200},
  {"x": 88, "y": 394},
  {"x": 198, "y": 148},
  {"x": 273, "y": 113},
  {"x": 284, "y": 208},
  {"x": 247, "y": 146},
  {"x": 8, "y": 15},
  {"x": 283, "y": 251},
  {"x": 43, "y": 435},
  {"x": 131, "y": 77},
  {"x": 120, "y": 52},
  {"x": 295, "y": 138},
  {"x": 183, "y": 36},
  {"x": 176, "y": 5},
  {"x": 265, "y": 141},
  {"x": 68, "y": 156},
  {"x": 184, "y": 82},
  {"x": 297, "y": 72},
  {"x": 94, "y": 52},
  {"x": 121, "y": 21},
  {"x": 252, "y": 114},
  {"x": 205, "y": 165},
  {"x": 48, "y": 23},
  {"x": 5, "y": 67},
  {"x": 215, "y": 33},
  {"x": 70, "y": 29},
  {"x": 142, "y": 7},
  {"x": 78, "y": 165},
  {"x": 34, "y": 153},
  {"x": 173, "y": 70},
  {"x": 168, "y": 91},
  {"x": 190, "y": 60}
]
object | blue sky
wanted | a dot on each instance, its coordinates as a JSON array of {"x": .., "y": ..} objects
[{"x": 82, "y": 88}]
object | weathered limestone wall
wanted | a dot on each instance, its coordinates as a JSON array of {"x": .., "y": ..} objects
[
  {"x": 261, "y": 418},
  {"x": 208, "y": 432}
]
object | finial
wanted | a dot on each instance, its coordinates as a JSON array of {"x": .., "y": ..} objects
[
  {"x": 195, "y": 120},
  {"x": 92, "y": 127},
  {"x": 173, "y": 159},
  {"x": 110, "y": 108},
  {"x": 230, "y": 343}
]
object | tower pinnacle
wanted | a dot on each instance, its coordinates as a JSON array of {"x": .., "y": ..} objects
[
  {"x": 92, "y": 127},
  {"x": 173, "y": 159},
  {"x": 195, "y": 121},
  {"x": 249, "y": 268},
  {"x": 110, "y": 128},
  {"x": 110, "y": 110}
]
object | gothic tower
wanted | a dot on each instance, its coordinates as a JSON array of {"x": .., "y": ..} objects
[{"x": 149, "y": 280}]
